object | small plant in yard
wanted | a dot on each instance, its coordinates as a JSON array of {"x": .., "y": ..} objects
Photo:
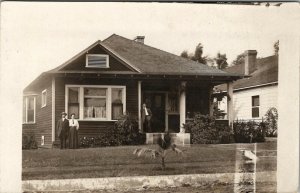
[{"x": 164, "y": 144}]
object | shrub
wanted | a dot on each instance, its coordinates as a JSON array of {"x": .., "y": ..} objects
[
  {"x": 205, "y": 130},
  {"x": 124, "y": 132},
  {"x": 271, "y": 118},
  {"x": 29, "y": 142},
  {"x": 249, "y": 131}
]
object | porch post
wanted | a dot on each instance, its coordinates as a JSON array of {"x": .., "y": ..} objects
[
  {"x": 140, "y": 104},
  {"x": 182, "y": 106},
  {"x": 211, "y": 102},
  {"x": 230, "y": 103}
]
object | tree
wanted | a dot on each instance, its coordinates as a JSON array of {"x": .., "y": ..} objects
[
  {"x": 240, "y": 59},
  {"x": 276, "y": 47},
  {"x": 184, "y": 54},
  {"x": 271, "y": 119},
  {"x": 198, "y": 54},
  {"x": 164, "y": 144},
  {"x": 221, "y": 61}
]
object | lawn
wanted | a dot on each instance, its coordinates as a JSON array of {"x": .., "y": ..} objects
[{"x": 120, "y": 161}]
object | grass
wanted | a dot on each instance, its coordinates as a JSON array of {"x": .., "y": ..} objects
[{"x": 120, "y": 161}]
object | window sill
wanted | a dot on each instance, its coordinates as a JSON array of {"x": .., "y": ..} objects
[
  {"x": 99, "y": 120},
  {"x": 97, "y": 67}
]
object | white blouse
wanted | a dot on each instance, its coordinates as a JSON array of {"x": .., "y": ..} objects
[{"x": 74, "y": 122}]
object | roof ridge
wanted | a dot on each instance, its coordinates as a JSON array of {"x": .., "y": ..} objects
[{"x": 109, "y": 37}]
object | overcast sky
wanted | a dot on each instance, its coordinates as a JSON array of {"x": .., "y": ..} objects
[{"x": 36, "y": 37}]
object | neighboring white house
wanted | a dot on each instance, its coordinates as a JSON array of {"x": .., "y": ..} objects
[{"x": 253, "y": 96}]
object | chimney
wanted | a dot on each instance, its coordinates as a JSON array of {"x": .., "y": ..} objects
[
  {"x": 250, "y": 61},
  {"x": 139, "y": 39}
]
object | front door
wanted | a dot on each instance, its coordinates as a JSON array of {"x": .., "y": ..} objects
[{"x": 156, "y": 102}]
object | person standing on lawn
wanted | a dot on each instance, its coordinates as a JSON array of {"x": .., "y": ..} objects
[
  {"x": 146, "y": 118},
  {"x": 63, "y": 130},
  {"x": 73, "y": 134}
]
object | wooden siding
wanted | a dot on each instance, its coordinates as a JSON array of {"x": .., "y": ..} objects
[
  {"x": 28, "y": 129},
  {"x": 80, "y": 63},
  {"x": 90, "y": 128},
  {"x": 242, "y": 104},
  {"x": 43, "y": 124},
  {"x": 94, "y": 128}
]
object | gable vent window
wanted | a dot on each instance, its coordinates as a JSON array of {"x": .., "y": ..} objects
[
  {"x": 255, "y": 106},
  {"x": 97, "y": 61}
]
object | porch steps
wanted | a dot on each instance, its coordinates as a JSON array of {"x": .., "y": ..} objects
[{"x": 177, "y": 138}]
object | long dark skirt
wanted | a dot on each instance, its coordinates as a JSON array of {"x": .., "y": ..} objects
[{"x": 73, "y": 138}]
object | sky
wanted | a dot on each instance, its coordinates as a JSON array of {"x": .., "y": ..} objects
[{"x": 38, "y": 36}]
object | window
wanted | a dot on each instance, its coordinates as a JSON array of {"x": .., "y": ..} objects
[
  {"x": 255, "y": 106},
  {"x": 44, "y": 98},
  {"x": 97, "y": 61},
  {"x": 95, "y": 102},
  {"x": 117, "y": 103},
  {"x": 73, "y": 102},
  {"x": 29, "y": 109}
]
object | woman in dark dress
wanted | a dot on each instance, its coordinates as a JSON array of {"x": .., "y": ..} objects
[{"x": 73, "y": 135}]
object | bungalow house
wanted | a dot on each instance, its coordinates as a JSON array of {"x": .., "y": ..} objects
[
  {"x": 254, "y": 95},
  {"x": 115, "y": 76}
]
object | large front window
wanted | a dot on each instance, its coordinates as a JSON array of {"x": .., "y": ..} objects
[
  {"x": 29, "y": 109},
  {"x": 95, "y": 102}
]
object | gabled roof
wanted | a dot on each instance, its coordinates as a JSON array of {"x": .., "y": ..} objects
[
  {"x": 144, "y": 59},
  {"x": 266, "y": 73},
  {"x": 140, "y": 59}
]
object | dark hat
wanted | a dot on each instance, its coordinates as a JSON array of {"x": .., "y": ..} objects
[{"x": 63, "y": 113}]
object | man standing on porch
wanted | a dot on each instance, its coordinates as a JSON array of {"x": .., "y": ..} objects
[
  {"x": 146, "y": 118},
  {"x": 63, "y": 130}
]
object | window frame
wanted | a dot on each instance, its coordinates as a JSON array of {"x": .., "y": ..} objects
[
  {"x": 257, "y": 106},
  {"x": 26, "y": 109},
  {"x": 44, "y": 100},
  {"x": 102, "y": 55},
  {"x": 108, "y": 100}
]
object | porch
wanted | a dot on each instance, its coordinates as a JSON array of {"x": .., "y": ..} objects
[{"x": 173, "y": 103}]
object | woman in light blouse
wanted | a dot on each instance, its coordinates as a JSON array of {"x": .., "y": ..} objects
[{"x": 73, "y": 135}]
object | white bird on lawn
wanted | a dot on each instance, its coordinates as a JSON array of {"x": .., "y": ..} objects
[{"x": 249, "y": 155}]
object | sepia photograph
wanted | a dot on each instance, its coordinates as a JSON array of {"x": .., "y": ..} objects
[{"x": 150, "y": 97}]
